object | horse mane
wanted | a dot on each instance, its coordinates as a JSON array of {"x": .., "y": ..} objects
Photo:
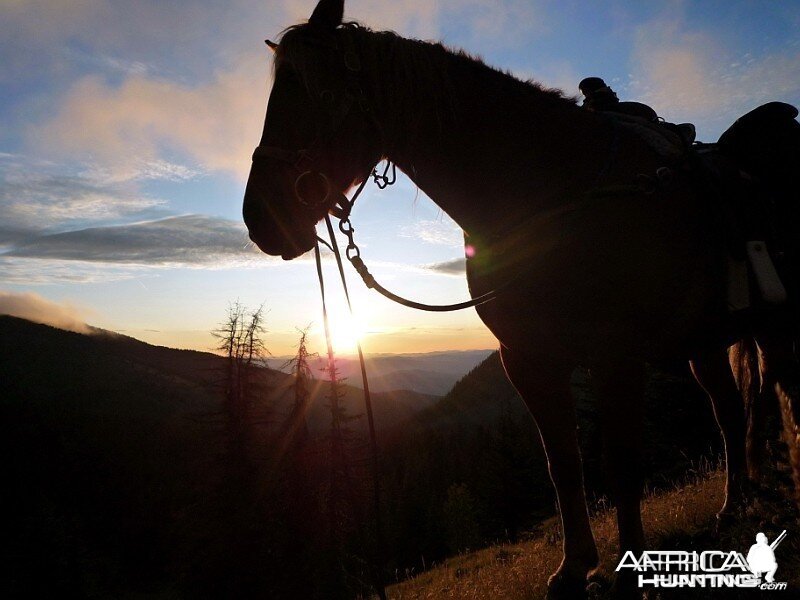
[{"x": 405, "y": 72}]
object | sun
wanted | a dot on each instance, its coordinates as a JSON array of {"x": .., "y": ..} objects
[{"x": 346, "y": 333}]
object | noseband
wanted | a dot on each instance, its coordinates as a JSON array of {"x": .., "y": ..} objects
[{"x": 297, "y": 160}]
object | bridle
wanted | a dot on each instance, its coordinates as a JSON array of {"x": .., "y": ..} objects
[{"x": 304, "y": 162}]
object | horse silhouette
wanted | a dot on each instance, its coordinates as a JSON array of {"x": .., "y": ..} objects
[{"x": 606, "y": 272}]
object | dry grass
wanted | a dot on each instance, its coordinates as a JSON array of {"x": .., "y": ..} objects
[{"x": 682, "y": 518}]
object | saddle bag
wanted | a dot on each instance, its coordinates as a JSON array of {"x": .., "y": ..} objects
[{"x": 764, "y": 146}]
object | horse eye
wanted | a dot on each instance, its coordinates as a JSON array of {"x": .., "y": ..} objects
[{"x": 327, "y": 96}]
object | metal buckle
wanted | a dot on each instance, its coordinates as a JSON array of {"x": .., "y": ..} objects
[{"x": 302, "y": 200}]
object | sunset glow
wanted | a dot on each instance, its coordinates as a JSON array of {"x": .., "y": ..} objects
[
  {"x": 124, "y": 155},
  {"x": 346, "y": 333}
]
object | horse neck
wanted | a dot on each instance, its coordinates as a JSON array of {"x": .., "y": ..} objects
[{"x": 488, "y": 145}]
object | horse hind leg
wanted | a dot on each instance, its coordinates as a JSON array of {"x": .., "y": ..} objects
[
  {"x": 713, "y": 372},
  {"x": 743, "y": 358},
  {"x": 544, "y": 385},
  {"x": 620, "y": 388},
  {"x": 780, "y": 374}
]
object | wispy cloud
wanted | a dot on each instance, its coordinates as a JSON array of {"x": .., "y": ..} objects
[
  {"x": 111, "y": 63},
  {"x": 688, "y": 74},
  {"x": 189, "y": 241},
  {"x": 40, "y": 310},
  {"x": 35, "y": 271},
  {"x": 35, "y": 197},
  {"x": 141, "y": 170},
  {"x": 440, "y": 232},
  {"x": 454, "y": 266}
]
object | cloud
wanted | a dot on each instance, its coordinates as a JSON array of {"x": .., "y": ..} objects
[
  {"x": 207, "y": 104},
  {"x": 142, "y": 170},
  {"x": 441, "y": 232},
  {"x": 690, "y": 75},
  {"x": 36, "y": 198},
  {"x": 189, "y": 241},
  {"x": 54, "y": 39},
  {"x": 192, "y": 81},
  {"x": 144, "y": 119},
  {"x": 35, "y": 271},
  {"x": 454, "y": 266},
  {"x": 40, "y": 310}
]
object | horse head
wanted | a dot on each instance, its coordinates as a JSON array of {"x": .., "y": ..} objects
[{"x": 319, "y": 136}]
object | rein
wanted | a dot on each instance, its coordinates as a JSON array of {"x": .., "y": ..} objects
[
  {"x": 376, "y": 493},
  {"x": 353, "y": 254}
]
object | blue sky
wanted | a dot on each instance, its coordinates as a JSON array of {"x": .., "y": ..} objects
[{"x": 128, "y": 126}]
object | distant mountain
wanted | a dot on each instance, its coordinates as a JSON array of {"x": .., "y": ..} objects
[
  {"x": 39, "y": 360},
  {"x": 432, "y": 373}
]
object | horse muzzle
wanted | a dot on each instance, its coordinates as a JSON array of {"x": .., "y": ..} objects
[{"x": 278, "y": 233}]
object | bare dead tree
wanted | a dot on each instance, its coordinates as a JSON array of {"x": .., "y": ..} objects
[
  {"x": 241, "y": 341},
  {"x": 253, "y": 351},
  {"x": 296, "y": 425},
  {"x": 228, "y": 335}
]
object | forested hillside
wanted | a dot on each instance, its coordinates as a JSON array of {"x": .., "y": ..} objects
[
  {"x": 127, "y": 479},
  {"x": 471, "y": 470},
  {"x": 124, "y": 477}
]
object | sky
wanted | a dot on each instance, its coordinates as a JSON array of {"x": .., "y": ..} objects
[{"x": 127, "y": 129}]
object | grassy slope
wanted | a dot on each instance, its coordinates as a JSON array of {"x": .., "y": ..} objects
[{"x": 681, "y": 519}]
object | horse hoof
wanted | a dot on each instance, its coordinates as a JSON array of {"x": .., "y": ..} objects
[
  {"x": 562, "y": 586},
  {"x": 725, "y": 520},
  {"x": 625, "y": 587},
  {"x": 597, "y": 587}
]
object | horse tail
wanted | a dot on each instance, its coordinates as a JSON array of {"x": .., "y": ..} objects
[
  {"x": 785, "y": 386},
  {"x": 743, "y": 357},
  {"x": 780, "y": 378}
]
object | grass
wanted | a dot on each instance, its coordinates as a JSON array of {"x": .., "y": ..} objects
[{"x": 683, "y": 518}]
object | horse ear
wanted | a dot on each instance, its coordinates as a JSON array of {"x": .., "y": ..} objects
[{"x": 328, "y": 14}]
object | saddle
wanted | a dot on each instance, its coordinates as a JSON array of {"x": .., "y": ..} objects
[
  {"x": 669, "y": 140},
  {"x": 752, "y": 177}
]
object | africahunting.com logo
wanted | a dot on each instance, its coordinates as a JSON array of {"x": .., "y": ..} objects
[{"x": 710, "y": 568}]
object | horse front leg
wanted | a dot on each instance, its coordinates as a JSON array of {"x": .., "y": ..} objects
[
  {"x": 544, "y": 385},
  {"x": 713, "y": 372},
  {"x": 620, "y": 389}
]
